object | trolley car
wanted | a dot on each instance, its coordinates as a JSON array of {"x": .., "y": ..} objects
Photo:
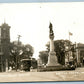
[{"x": 25, "y": 64}]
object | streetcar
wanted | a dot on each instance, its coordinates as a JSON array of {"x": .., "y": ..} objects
[{"x": 25, "y": 64}]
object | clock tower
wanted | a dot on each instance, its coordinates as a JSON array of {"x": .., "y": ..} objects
[{"x": 4, "y": 46}]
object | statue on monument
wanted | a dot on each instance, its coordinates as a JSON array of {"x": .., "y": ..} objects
[{"x": 51, "y": 34}]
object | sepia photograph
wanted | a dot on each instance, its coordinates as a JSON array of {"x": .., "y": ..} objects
[{"x": 41, "y": 42}]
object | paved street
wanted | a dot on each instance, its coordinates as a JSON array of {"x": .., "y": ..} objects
[{"x": 77, "y": 74}]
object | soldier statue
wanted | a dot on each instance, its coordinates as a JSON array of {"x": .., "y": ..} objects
[{"x": 51, "y": 34}]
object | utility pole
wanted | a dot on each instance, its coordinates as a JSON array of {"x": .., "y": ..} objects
[
  {"x": 16, "y": 59},
  {"x": 19, "y": 39},
  {"x": 17, "y": 52},
  {"x": 19, "y": 36}
]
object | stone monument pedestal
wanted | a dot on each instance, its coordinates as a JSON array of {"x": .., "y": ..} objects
[
  {"x": 53, "y": 64},
  {"x": 52, "y": 59}
]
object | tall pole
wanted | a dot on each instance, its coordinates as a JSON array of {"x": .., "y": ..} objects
[
  {"x": 70, "y": 53},
  {"x": 69, "y": 47},
  {"x": 19, "y": 39},
  {"x": 69, "y": 37},
  {"x": 18, "y": 50}
]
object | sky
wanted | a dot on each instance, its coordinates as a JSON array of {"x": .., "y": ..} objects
[{"x": 31, "y": 21}]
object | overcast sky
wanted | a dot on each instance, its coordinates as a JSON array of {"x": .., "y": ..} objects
[{"x": 31, "y": 21}]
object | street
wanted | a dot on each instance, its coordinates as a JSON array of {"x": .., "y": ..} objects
[{"x": 74, "y": 75}]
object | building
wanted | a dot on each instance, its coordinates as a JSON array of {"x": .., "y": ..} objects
[
  {"x": 4, "y": 46},
  {"x": 70, "y": 53},
  {"x": 80, "y": 53},
  {"x": 77, "y": 54}
]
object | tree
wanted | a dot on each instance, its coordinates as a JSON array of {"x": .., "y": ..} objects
[
  {"x": 59, "y": 48},
  {"x": 18, "y": 52},
  {"x": 15, "y": 53},
  {"x": 43, "y": 56},
  {"x": 28, "y": 51}
]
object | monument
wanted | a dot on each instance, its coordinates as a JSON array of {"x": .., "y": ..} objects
[
  {"x": 52, "y": 64},
  {"x": 52, "y": 59}
]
